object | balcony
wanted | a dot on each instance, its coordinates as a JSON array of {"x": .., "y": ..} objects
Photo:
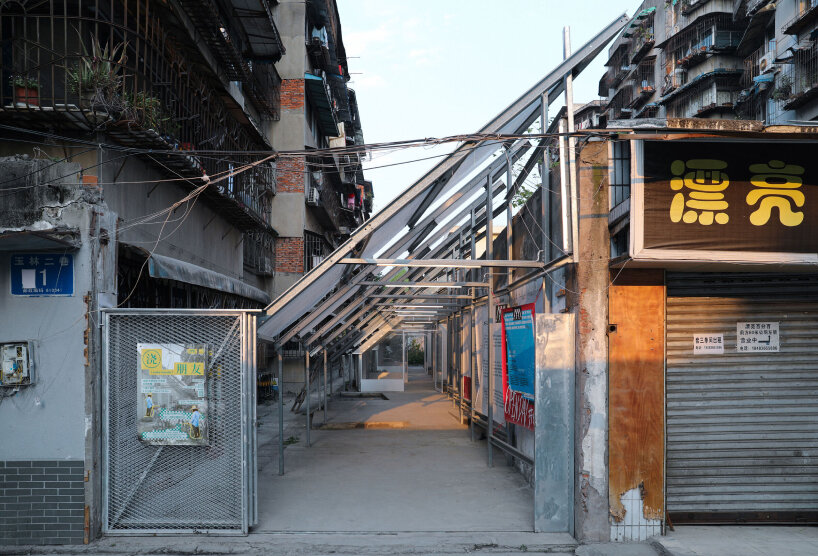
[
  {"x": 92, "y": 79},
  {"x": 759, "y": 67},
  {"x": 807, "y": 14},
  {"x": 246, "y": 45},
  {"x": 619, "y": 106},
  {"x": 641, "y": 29},
  {"x": 689, "y": 6},
  {"x": 320, "y": 96},
  {"x": 644, "y": 82},
  {"x": 805, "y": 76}
]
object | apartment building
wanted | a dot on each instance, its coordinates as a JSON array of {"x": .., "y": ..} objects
[
  {"x": 715, "y": 59},
  {"x": 138, "y": 170}
]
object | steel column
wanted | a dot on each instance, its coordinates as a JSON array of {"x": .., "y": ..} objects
[
  {"x": 307, "y": 390},
  {"x": 490, "y": 336},
  {"x": 325, "y": 385},
  {"x": 280, "y": 414},
  {"x": 572, "y": 145}
]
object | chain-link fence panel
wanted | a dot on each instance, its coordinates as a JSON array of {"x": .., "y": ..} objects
[{"x": 179, "y": 440}]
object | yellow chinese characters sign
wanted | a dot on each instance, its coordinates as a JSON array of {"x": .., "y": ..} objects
[{"x": 722, "y": 196}]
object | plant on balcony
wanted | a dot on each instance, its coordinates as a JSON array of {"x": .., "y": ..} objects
[
  {"x": 26, "y": 90},
  {"x": 784, "y": 89},
  {"x": 97, "y": 76},
  {"x": 147, "y": 111}
]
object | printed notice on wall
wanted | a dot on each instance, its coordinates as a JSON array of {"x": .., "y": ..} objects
[
  {"x": 757, "y": 336},
  {"x": 708, "y": 344},
  {"x": 172, "y": 397}
]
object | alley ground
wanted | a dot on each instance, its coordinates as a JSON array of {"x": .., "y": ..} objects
[{"x": 420, "y": 473}]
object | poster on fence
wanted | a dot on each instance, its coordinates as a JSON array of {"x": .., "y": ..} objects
[
  {"x": 172, "y": 404},
  {"x": 518, "y": 365}
]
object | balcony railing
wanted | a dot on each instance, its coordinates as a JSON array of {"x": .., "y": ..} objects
[
  {"x": 805, "y": 76},
  {"x": 807, "y": 13},
  {"x": 758, "y": 63},
  {"x": 94, "y": 66},
  {"x": 709, "y": 35}
]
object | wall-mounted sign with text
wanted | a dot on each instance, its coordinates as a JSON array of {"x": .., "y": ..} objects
[{"x": 725, "y": 201}]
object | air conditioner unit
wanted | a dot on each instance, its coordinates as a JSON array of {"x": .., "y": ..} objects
[
  {"x": 766, "y": 63},
  {"x": 313, "y": 197}
]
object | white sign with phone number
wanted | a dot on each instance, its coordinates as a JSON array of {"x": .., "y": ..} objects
[{"x": 757, "y": 336}]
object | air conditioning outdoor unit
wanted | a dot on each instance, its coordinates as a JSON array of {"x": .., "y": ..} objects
[
  {"x": 765, "y": 63},
  {"x": 313, "y": 197}
]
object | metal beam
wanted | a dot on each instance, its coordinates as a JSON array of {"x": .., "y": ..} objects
[
  {"x": 445, "y": 263},
  {"x": 419, "y": 296},
  {"x": 427, "y": 284}
]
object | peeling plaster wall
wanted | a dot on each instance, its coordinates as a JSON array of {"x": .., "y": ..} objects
[{"x": 588, "y": 297}]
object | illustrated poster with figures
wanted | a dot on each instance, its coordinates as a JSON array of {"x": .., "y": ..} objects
[{"x": 172, "y": 408}]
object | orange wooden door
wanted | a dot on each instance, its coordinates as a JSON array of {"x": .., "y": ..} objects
[{"x": 636, "y": 342}]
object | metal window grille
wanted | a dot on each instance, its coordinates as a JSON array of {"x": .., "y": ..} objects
[
  {"x": 314, "y": 250},
  {"x": 259, "y": 253},
  {"x": 166, "y": 489}
]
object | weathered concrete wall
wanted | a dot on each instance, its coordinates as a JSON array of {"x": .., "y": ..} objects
[
  {"x": 52, "y": 427},
  {"x": 588, "y": 291},
  {"x": 194, "y": 232}
]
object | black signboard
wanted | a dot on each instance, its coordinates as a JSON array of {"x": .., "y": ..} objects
[{"x": 729, "y": 196}]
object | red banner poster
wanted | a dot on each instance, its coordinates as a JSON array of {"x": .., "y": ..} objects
[{"x": 518, "y": 405}]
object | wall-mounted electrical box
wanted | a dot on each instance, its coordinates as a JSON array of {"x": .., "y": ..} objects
[{"x": 16, "y": 368}]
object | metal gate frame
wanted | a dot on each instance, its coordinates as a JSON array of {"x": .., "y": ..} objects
[{"x": 248, "y": 416}]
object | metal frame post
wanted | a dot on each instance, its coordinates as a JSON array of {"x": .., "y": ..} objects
[
  {"x": 405, "y": 356},
  {"x": 307, "y": 390},
  {"x": 490, "y": 335},
  {"x": 509, "y": 215},
  {"x": 572, "y": 145},
  {"x": 325, "y": 385},
  {"x": 280, "y": 414}
]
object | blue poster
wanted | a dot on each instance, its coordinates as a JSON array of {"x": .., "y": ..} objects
[
  {"x": 42, "y": 274},
  {"x": 518, "y": 325}
]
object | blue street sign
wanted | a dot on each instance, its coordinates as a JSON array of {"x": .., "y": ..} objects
[{"x": 42, "y": 274}]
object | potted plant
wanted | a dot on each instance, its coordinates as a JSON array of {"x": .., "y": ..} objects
[
  {"x": 26, "y": 90},
  {"x": 97, "y": 75},
  {"x": 147, "y": 111}
]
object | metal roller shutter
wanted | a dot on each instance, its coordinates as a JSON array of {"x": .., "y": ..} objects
[{"x": 742, "y": 428}]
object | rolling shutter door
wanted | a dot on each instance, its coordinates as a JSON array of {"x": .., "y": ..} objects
[{"x": 742, "y": 428}]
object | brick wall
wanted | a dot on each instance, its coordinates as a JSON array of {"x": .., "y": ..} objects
[
  {"x": 292, "y": 94},
  {"x": 42, "y": 502},
  {"x": 290, "y": 175},
  {"x": 290, "y": 254}
]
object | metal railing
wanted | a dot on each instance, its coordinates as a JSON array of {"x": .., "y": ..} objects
[
  {"x": 757, "y": 63},
  {"x": 806, "y": 12},
  {"x": 804, "y": 76}
]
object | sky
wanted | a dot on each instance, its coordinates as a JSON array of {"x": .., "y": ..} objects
[{"x": 435, "y": 68}]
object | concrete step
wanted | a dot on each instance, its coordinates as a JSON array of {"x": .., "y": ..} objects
[{"x": 322, "y": 543}]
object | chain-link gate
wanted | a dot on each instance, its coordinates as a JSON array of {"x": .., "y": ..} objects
[{"x": 198, "y": 473}]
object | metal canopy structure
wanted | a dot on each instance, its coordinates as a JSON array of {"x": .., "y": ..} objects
[
  {"x": 425, "y": 223},
  {"x": 432, "y": 246}
]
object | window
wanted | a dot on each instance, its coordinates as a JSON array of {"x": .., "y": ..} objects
[
  {"x": 314, "y": 250},
  {"x": 621, "y": 175}
]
